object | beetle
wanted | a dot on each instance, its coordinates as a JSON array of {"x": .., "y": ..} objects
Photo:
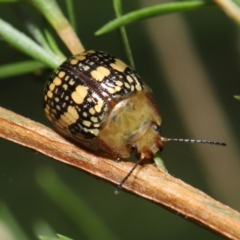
[{"x": 101, "y": 103}]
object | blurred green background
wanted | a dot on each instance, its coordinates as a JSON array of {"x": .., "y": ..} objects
[{"x": 204, "y": 44}]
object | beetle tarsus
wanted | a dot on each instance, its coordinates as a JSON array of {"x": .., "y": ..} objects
[{"x": 119, "y": 187}]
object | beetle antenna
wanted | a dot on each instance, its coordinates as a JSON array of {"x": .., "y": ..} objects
[
  {"x": 119, "y": 186},
  {"x": 163, "y": 139}
]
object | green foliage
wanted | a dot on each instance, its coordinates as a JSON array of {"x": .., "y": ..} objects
[
  {"x": 60, "y": 237},
  {"x": 237, "y": 97},
  {"x": 153, "y": 11}
]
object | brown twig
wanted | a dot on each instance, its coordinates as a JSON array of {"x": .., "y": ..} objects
[
  {"x": 147, "y": 182},
  {"x": 230, "y": 8},
  {"x": 70, "y": 39},
  {"x": 55, "y": 16}
]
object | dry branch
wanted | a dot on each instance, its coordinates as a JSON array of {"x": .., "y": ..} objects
[
  {"x": 231, "y": 8},
  {"x": 147, "y": 182}
]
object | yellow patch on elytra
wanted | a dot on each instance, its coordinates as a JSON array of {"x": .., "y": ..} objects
[
  {"x": 138, "y": 87},
  {"x": 54, "y": 111},
  {"x": 57, "y": 81},
  {"x": 80, "y": 57},
  {"x": 69, "y": 117},
  {"x": 95, "y": 132},
  {"x": 97, "y": 75},
  {"x": 47, "y": 106},
  {"x": 94, "y": 119},
  {"x": 117, "y": 67},
  {"x": 127, "y": 85},
  {"x": 98, "y": 107},
  {"x": 129, "y": 78},
  {"x": 49, "y": 94},
  {"x": 92, "y": 111},
  {"x": 65, "y": 87},
  {"x": 46, "y": 110},
  {"x": 111, "y": 90},
  {"x": 71, "y": 82},
  {"x": 61, "y": 74},
  {"x": 52, "y": 86},
  {"x": 73, "y": 113},
  {"x": 90, "y": 51},
  {"x": 103, "y": 70},
  {"x": 119, "y": 83},
  {"x": 73, "y": 61},
  {"x": 63, "y": 121},
  {"x": 117, "y": 89},
  {"x": 101, "y": 117},
  {"x": 105, "y": 108},
  {"x": 79, "y": 94},
  {"x": 49, "y": 117},
  {"x": 94, "y": 95},
  {"x": 121, "y": 63},
  {"x": 89, "y": 100},
  {"x": 86, "y": 123},
  {"x": 86, "y": 68}
]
